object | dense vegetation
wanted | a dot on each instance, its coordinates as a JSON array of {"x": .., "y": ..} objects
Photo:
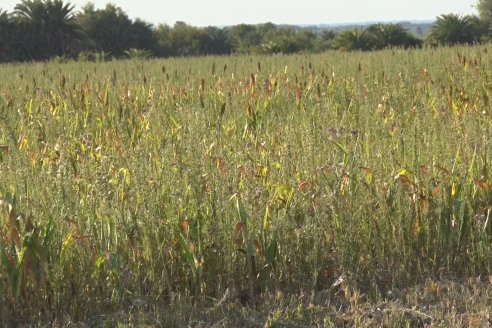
[
  {"x": 43, "y": 29},
  {"x": 139, "y": 184}
]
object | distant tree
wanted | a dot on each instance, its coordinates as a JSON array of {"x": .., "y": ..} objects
[
  {"x": 4, "y": 15},
  {"x": 356, "y": 39},
  {"x": 265, "y": 29},
  {"x": 143, "y": 36},
  {"x": 391, "y": 35},
  {"x": 481, "y": 28},
  {"x": 452, "y": 29},
  {"x": 246, "y": 37},
  {"x": 280, "y": 40},
  {"x": 484, "y": 8},
  {"x": 187, "y": 40},
  {"x": 108, "y": 30},
  {"x": 5, "y": 26},
  {"x": 325, "y": 41},
  {"x": 163, "y": 37},
  {"x": 63, "y": 32},
  {"x": 219, "y": 41},
  {"x": 306, "y": 40},
  {"x": 33, "y": 12},
  {"x": 8, "y": 31},
  {"x": 483, "y": 23},
  {"x": 40, "y": 29},
  {"x": 269, "y": 48},
  {"x": 48, "y": 27},
  {"x": 134, "y": 53},
  {"x": 30, "y": 16},
  {"x": 287, "y": 40}
]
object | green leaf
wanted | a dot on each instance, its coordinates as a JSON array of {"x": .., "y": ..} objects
[
  {"x": 339, "y": 146},
  {"x": 241, "y": 211}
]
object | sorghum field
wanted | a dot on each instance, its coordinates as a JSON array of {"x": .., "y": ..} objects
[{"x": 343, "y": 189}]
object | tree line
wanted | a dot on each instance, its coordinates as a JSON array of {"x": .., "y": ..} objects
[{"x": 45, "y": 29}]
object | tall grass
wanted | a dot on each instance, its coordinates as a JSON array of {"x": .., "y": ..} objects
[{"x": 137, "y": 182}]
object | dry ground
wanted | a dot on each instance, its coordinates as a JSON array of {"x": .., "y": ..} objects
[{"x": 443, "y": 303}]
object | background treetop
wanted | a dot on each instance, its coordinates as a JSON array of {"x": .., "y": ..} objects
[{"x": 43, "y": 29}]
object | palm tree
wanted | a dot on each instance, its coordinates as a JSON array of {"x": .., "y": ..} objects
[
  {"x": 219, "y": 41},
  {"x": 134, "y": 53},
  {"x": 325, "y": 41},
  {"x": 391, "y": 35},
  {"x": 32, "y": 12},
  {"x": 356, "y": 39},
  {"x": 7, "y": 29},
  {"x": 51, "y": 24},
  {"x": 63, "y": 31},
  {"x": 30, "y": 15},
  {"x": 452, "y": 29}
]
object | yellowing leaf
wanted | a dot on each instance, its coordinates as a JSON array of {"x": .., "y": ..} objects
[
  {"x": 66, "y": 244},
  {"x": 263, "y": 171},
  {"x": 23, "y": 143},
  {"x": 454, "y": 190},
  {"x": 284, "y": 192},
  {"x": 403, "y": 172},
  {"x": 126, "y": 175}
]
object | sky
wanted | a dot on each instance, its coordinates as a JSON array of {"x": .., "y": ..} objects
[{"x": 232, "y": 12}]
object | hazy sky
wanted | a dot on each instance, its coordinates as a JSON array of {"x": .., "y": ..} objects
[{"x": 229, "y": 12}]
